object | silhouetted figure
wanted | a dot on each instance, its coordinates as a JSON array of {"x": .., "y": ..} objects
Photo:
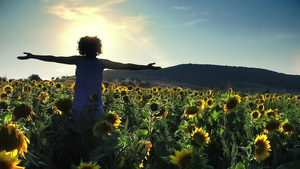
[{"x": 88, "y": 71}]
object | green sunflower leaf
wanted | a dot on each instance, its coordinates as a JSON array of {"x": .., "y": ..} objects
[{"x": 4, "y": 117}]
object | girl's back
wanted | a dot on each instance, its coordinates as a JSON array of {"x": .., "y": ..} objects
[{"x": 88, "y": 82}]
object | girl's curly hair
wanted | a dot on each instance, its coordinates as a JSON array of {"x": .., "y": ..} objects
[{"x": 89, "y": 46}]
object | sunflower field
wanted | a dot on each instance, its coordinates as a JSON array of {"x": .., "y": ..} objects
[{"x": 150, "y": 128}]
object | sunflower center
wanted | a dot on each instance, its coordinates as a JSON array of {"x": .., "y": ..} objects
[
  {"x": 154, "y": 107},
  {"x": 111, "y": 118},
  {"x": 94, "y": 97},
  {"x": 22, "y": 111},
  {"x": 270, "y": 114},
  {"x": 260, "y": 107},
  {"x": 86, "y": 167},
  {"x": 8, "y": 141},
  {"x": 64, "y": 105},
  {"x": 255, "y": 115},
  {"x": 199, "y": 138},
  {"x": 192, "y": 110},
  {"x": 5, "y": 165},
  {"x": 260, "y": 147},
  {"x": 288, "y": 127},
  {"x": 186, "y": 160},
  {"x": 231, "y": 104}
]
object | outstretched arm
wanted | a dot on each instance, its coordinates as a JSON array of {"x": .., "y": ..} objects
[
  {"x": 65, "y": 60},
  {"x": 128, "y": 66}
]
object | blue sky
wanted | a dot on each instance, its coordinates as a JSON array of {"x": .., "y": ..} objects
[{"x": 250, "y": 33}]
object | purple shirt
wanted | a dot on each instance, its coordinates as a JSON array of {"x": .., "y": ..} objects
[{"x": 88, "y": 82}]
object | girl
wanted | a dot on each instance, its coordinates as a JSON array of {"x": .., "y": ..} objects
[{"x": 88, "y": 72}]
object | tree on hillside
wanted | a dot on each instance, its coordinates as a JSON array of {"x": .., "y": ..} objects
[{"x": 34, "y": 77}]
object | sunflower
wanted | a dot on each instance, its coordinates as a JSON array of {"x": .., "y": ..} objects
[
  {"x": 8, "y": 89},
  {"x": 73, "y": 87},
  {"x": 272, "y": 114},
  {"x": 4, "y": 80},
  {"x": 183, "y": 158},
  {"x": 114, "y": 119},
  {"x": 260, "y": 98},
  {"x": 262, "y": 147},
  {"x": 3, "y": 95},
  {"x": 113, "y": 87},
  {"x": 123, "y": 92},
  {"x": 210, "y": 93},
  {"x": 182, "y": 93},
  {"x": 154, "y": 89},
  {"x": 63, "y": 105},
  {"x": 26, "y": 88},
  {"x": 261, "y": 107},
  {"x": 286, "y": 128},
  {"x": 230, "y": 90},
  {"x": 51, "y": 83},
  {"x": 103, "y": 88},
  {"x": 59, "y": 85},
  {"x": 200, "y": 137},
  {"x": 44, "y": 96},
  {"x": 45, "y": 88},
  {"x": 232, "y": 103},
  {"x": 201, "y": 103},
  {"x": 102, "y": 127},
  {"x": 9, "y": 162},
  {"x": 154, "y": 106},
  {"x": 271, "y": 126},
  {"x": 148, "y": 146},
  {"x": 267, "y": 96},
  {"x": 15, "y": 83},
  {"x": 22, "y": 111},
  {"x": 94, "y": 97},
  {"x": 209, "y": 102},
  {"x": 142, "y": 164},
  {"x": 255, "y": 114},
  {"x": 40, "y": 85},
  {"x": 13, "y": 140},
  {"x": 174, "y": 89},
  {"x": 117, "y": 90},
  {"x": 162, "y": 113},
  {"x": 90, "y": 165},
  {"x": 3, "y": 105},
  {"x": 191, "y": 112}
]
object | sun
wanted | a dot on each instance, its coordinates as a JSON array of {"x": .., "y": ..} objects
[{"x": 85, "y": 26}]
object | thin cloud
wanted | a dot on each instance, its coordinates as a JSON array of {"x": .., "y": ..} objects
[
  {"x": 131, "y": 27},
  {"x": 194, "y": 22},
  {"x": 182, "y": 8},
  {"x": 64, "y": 12}
]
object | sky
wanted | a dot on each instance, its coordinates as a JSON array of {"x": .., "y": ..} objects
[{"x": 250, "y": 33}]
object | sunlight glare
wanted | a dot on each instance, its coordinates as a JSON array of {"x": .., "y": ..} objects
[{"x": 81, "y": 28}]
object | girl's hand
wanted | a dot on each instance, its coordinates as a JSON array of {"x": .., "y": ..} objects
[
  {"x": 150, "y": 66},
  {"x": 28, "y": 56}
]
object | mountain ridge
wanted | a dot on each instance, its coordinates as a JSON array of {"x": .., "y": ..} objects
[{"x": 216, "y": 76}]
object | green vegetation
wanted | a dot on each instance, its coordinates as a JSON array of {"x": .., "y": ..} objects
[{"x": 158, "y": 127}]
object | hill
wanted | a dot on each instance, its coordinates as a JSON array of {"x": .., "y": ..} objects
[{"x": 213, "y": 76}]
